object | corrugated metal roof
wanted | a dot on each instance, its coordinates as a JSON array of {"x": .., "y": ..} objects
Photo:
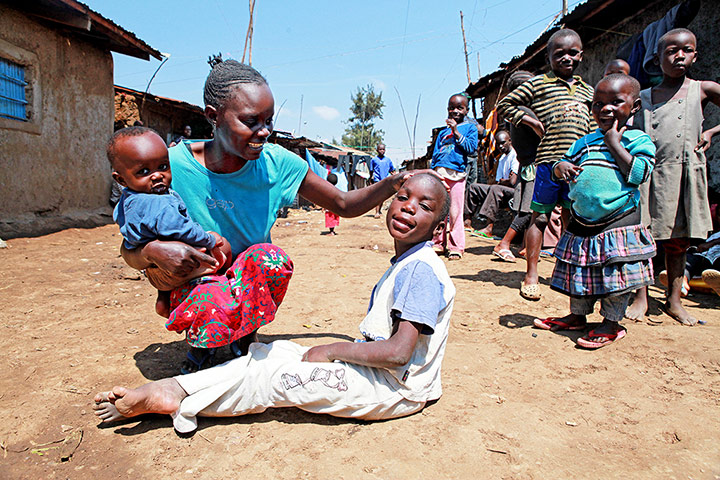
[
  {"x": 591, "y": 19},
  {"x": 85, "y": 22},
  {"x": 156, "y": 98}
]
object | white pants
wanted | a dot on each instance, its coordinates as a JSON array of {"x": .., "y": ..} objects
[{"x": 274, "y": 375}]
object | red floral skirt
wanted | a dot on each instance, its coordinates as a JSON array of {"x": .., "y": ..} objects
[{"x": 215, "y": 310}]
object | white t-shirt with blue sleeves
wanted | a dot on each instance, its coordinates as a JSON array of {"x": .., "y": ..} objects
[
  {"x": 416, "y": 288},
  {"x": 241, "y": 206}
]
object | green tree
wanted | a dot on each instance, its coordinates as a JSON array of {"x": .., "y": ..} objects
[{"x": 366, "y": 106}]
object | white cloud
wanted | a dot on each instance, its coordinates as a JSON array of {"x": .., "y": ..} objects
[
  {"x": 379, "y": 84},
  {"x": 325, "y": 112}
]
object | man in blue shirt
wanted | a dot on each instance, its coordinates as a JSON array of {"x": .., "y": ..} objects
[{"x": 381, "y": 167}]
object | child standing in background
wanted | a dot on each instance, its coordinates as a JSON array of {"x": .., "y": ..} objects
[
  {"x": 605, "y": 251},
  {"x": 675, "y": 201},
  {"x": 561, "y": 101},
  {"x": 450, "y": 157},
  {"x": 331, "y": 220}
]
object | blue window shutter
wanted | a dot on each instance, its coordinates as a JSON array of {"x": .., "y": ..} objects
[{"x": 12, "y": 91}]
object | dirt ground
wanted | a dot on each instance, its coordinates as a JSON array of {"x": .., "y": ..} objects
[{"x": 518, "y": 403}]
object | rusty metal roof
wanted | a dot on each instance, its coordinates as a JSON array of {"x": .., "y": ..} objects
[
  {"x": 158, "y": 99},
  {"x": 79, "y": 19},
  {"x": 590, "y": 19}
]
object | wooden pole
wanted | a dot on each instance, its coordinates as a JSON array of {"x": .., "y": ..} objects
[
  {"x": 248, "y": 34},
  {"x": 564, "y": 7},
  {"x": 252, "y": 29},
  {"x": 467, "y": 63}
]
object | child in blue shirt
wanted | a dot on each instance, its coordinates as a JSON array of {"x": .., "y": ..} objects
[
  {"x": 450, "y": 158},
  {"x": 605, "y": 252}
]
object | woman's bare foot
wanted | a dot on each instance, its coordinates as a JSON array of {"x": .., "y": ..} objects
[
  {"x": 638, "y": 308},
  {"x": 676, "y": 311},
  {"x": 163, "y": 396}
]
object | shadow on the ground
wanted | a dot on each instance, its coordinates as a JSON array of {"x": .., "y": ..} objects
[
  {"x": 499, "y": 278},
  {"x": 516, "y": 320}
]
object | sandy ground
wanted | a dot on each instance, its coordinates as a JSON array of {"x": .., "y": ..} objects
[{"x": 518, "y": 403}]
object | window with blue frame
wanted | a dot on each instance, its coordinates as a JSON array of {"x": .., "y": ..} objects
[{"x": 13, "y": 102}]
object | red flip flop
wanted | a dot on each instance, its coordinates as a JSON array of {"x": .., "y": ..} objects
[
  {"x": 550, "y": 322},
  {"x": 585, "y": 341}
]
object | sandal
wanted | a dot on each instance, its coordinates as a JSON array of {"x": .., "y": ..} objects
[
  {"x": 530, "y": 292},
  {"x": 586, "y": 341},
  {"x": 505, "y": 255},
  {"x": 198, "y": 359},
  {"x": 556, "y": 324},
  {"x": 478, "y": 233},
  {"x": 454, "y": 256}
]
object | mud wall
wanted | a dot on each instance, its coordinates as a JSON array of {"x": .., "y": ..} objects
[{"x": 53, "y": 170}]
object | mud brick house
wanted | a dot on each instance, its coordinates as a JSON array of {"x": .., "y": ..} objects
[{"x": 56, "y": 113}]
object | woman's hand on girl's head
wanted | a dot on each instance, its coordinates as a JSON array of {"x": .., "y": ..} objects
[{"x": 400, "y": 178}]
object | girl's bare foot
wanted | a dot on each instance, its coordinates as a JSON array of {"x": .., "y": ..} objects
[{"x": 163, "y": 396}]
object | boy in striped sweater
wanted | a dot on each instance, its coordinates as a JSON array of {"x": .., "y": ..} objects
[{"x": 561, "y": 101}]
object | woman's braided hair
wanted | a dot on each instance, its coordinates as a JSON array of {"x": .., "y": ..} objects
[{"x": 225, "y": 77}]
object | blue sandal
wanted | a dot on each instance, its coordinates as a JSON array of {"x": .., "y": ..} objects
[{"x": 198, "y": 359}]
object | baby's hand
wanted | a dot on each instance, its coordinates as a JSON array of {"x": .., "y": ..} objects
[
  {"x": 567, "y": 172},
  {"x": 221, "y": 251}
]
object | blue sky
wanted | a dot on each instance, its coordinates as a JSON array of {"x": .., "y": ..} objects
[{"x": 316, "y": 53}]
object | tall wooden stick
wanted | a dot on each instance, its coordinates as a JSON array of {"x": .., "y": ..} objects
[
  {"x": 467, "y": 63},
  {"x": 248, "y": 34},
  {"x": 564, "y": 7}
]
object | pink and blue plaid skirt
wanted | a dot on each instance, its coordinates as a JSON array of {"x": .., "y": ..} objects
[
  {"x": 215, "y": 310},
  {"x": 613, "y": 262}
]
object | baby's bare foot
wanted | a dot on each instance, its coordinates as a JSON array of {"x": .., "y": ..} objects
[{"x": 163, "y": 396}]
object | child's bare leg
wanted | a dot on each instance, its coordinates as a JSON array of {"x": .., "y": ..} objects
[
  {"x": 533, "y": 245},
  {"x": 675, "y": 264},
  {"x": 506, "y": 240},
  {"x": 639, "y": 306},
  {"x": 162, "y": 304},
  {"x": 163, "y": 396}
]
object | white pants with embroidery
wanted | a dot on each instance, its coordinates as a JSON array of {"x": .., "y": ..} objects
[{"x": 274, "y": 375}]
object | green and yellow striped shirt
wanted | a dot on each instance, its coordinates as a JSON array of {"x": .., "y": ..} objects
[{"x": 563, "y": 109}]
